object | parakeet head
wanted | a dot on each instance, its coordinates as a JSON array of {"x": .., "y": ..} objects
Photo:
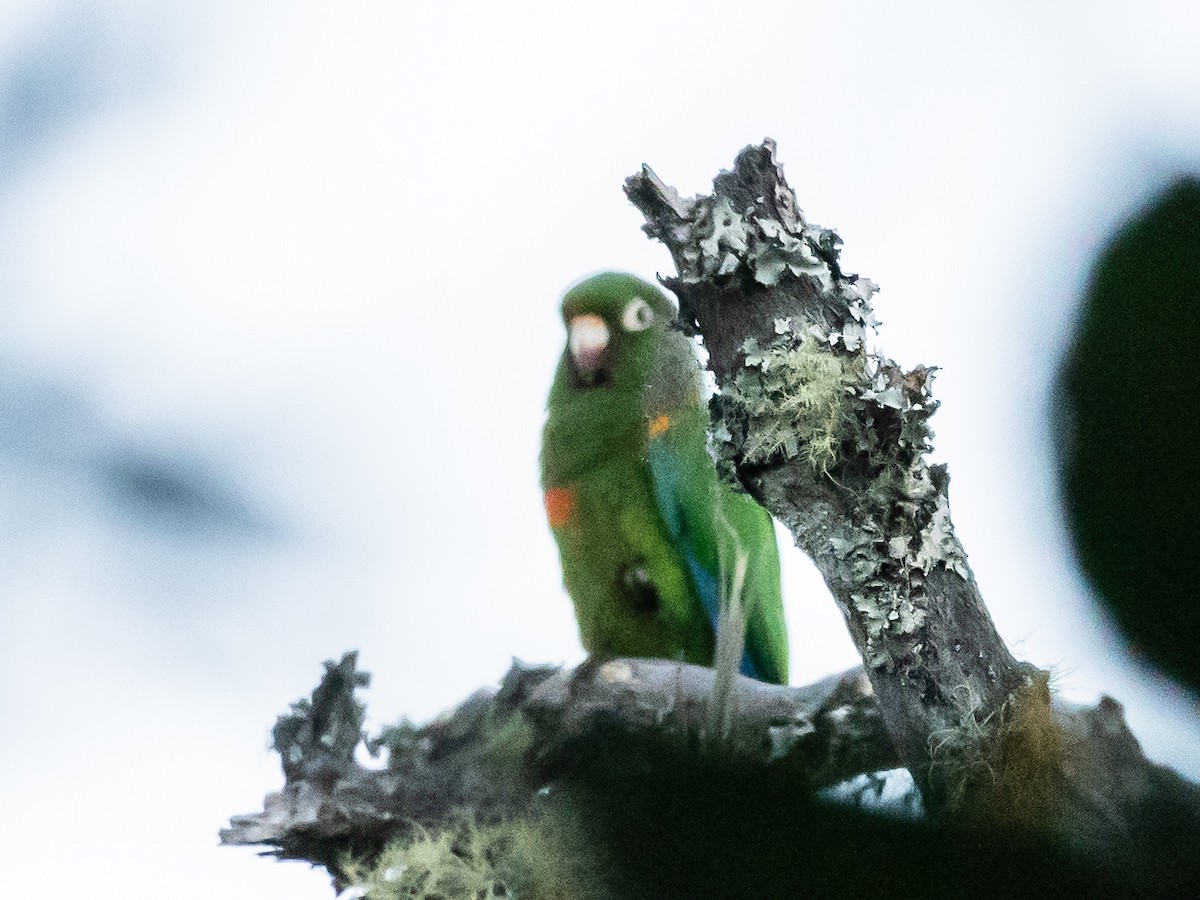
[{"x": 614, "y": 324}]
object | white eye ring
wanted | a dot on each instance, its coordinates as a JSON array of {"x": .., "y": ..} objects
[{"x": 637, "y": 315}]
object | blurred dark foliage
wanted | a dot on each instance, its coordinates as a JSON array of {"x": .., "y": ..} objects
[
  {"x": 1132, "y": 436},
  {"x": 172, "y": 492}
]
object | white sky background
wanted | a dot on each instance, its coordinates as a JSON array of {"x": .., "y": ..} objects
[{"x": 278, "y": 314}]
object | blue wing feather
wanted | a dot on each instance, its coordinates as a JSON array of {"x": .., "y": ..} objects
[{"x": 664, "y": 473}]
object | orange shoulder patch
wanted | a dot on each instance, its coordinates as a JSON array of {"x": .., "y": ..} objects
[
  {"x": 658, "y": 425},
  {"x": 560, "y": 505}
]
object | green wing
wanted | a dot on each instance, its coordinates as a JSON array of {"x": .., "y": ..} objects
[{"x": 692, "y": 501}]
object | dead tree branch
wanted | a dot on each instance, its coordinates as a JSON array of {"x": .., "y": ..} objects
[
  {"x": 636, "y": 724},
  {"x": 494, "y": 752},
  {"x": 832, "y": 439}
]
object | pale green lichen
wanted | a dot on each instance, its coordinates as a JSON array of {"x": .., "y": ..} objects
[
  {"x": 719, "y": 239},
  {"x": 792, "y": 394},
  {"x": 886, "y": 612},
  {"x": 938, "y": 543},
  {"x": 451, "y": 863},
  {"x": 904, "y": 527},
  {"x": 857, "y": 419},
  {"x": 533, "y": 857},
  {"x": 814, "y": 392},
  {"x": 775, "y": 250}
]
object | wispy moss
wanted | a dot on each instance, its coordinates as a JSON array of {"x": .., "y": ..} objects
[
  {"x": 539, "y": 857},
  {"x": 1005, "y": 768},
  {"x": 793, "y": 397}
]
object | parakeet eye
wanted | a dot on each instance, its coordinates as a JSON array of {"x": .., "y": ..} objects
[{"x": 638, "y": 315}]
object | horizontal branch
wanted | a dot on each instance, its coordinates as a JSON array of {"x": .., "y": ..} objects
[
  {"x": 821, "y": 734},
  {"x": 494, "y": 752},
  {"x": 639, "y": 722}
]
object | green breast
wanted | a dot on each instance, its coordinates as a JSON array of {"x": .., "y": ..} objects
[{"x": 631, "y": 590}]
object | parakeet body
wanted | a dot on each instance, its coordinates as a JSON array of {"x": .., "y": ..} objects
[{"x": 645, "y": 528}]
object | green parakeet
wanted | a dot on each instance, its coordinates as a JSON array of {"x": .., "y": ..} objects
[{"x": 645, "y": 528}]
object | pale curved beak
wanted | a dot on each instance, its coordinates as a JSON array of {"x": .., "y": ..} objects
[{"x": 587, "y": 341}]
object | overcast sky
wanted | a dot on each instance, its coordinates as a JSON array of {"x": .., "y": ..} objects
[{"x": 278, "y": 315}]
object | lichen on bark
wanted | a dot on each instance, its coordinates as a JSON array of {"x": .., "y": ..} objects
[{"x": 833, "y": 438}]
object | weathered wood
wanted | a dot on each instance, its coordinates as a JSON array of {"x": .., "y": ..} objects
[
  {"x": 831, "y": 439},
  {"x": 636, "y": 721},
  {"x": 494, "y": 752}
]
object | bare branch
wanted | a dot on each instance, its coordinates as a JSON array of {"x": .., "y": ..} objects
[
  {"x": 636, "y": 722},
  {"x": 493, "y": 753}
]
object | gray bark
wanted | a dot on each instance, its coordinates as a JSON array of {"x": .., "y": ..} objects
[
  {"x": 501, "y": 748},
  {"x": 832, "y": 439},
  {"x": 814, "y": 736}
]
